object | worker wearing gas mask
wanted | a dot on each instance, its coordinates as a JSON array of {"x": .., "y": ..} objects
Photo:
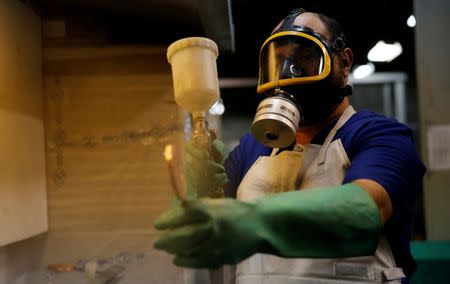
[{"x": 323, "y": 193}]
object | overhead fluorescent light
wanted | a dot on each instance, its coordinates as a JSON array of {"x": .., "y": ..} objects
[
  {"x": 411, "y": 22},
  {"x": 384, "y": 52},
  {"x": 364, "y": 71}
]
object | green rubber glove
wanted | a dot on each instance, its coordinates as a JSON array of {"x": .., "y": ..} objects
[
  {"x": 207, "y": 233},
  {"x": 205, "y": 174},
  {"x": 317, "y": 223}
]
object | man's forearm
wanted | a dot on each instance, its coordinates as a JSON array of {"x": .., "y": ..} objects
[{"x": 330, "y": 222}]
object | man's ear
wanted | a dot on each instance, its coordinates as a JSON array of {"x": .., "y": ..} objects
[{"x": 347, "y": 60}]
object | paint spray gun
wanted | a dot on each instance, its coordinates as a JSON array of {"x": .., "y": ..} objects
[{"x": 196, "y": 85}]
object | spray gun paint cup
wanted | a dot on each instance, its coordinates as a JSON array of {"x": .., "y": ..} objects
[{"x": 194, "y": 73}]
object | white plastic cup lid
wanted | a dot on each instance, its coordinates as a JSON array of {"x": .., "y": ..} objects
[{"x": 190, "y": 42}]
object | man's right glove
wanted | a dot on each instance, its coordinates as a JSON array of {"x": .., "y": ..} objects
[{"x": 204, "y": 171}]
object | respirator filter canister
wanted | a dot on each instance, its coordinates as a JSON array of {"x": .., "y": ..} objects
[{"x": 276, "y": 122}]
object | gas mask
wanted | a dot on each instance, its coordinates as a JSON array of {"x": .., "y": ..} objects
[{"x": 295, "y": 64}]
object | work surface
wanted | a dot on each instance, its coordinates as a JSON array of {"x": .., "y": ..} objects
[{"x": 26, "y": 262}]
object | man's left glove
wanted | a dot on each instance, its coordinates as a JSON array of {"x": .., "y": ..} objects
[
  {"x": 341, "y": 221},
  {"x": 202, "y": 233}
]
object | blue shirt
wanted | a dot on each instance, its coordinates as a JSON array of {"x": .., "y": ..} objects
[{"x": 380, "y": 149}]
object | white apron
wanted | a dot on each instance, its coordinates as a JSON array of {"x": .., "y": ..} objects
[{"x": 311, "y": 166}]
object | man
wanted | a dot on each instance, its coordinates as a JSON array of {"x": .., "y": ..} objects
[{"x": 333, "y": 206}]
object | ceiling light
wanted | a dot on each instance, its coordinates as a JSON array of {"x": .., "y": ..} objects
[
  {"x": 384, "y": 52},
  {"x": 363, "y": 71},
  {"x": 411, "y": 22}
]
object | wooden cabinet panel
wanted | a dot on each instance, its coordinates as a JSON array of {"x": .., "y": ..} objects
[
  {"x": 23, "y": 207},
  {"x": 106, "y": 132}
]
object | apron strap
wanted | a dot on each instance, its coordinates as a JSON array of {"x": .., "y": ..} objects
[
  {"x": 349, "y": 111},
  {"x": 274, "y": 152}
]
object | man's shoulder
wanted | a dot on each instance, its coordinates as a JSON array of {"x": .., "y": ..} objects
[
  {"x": 367, "y": 116},
  {"x": 249, "y": 142},
  {"x": 371, "y": 122},
  {"x": 245, "y": 154},
  {"x": 369, "y": 128}
]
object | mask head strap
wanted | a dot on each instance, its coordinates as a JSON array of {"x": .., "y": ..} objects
[
  {"x": 288, "y": 25},
  {"x": 288, "y": 22},
  {"x": 338, "y": 43}
]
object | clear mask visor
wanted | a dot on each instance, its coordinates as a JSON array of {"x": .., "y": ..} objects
[{"x": 292, "y": 59}]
